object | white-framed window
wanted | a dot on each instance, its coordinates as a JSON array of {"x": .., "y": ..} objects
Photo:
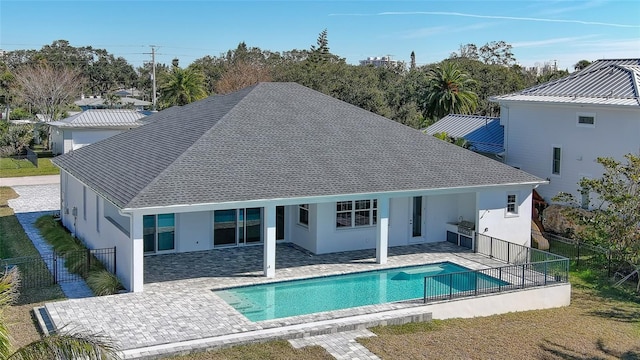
[
  {"x": 303, "y": 214},
  {"x": 512, "y": 204},
  {"x": 586, "y": 119},
  {"x": 97, "y": 213},
  {"x": 356, "y": 213},
  {"x": 556, "y": 160},
  {"x": 84, "y": 203}
]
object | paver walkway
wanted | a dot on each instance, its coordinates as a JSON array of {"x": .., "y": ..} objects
[
  {"x": 33, "y": 202},
  {"x": 30, "y": 180},
  {"x": 342, "y": 346}
]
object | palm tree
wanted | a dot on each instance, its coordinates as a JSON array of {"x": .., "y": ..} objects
[
  {"x": 59, "y": 346},
  {"x": 181, "y": 87},
  {"x": 448, "y": 92}
]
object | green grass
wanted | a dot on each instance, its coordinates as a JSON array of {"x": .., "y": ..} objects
[
  {"x": 16, "y": 168},
  {"x": 15, "y": 243}
]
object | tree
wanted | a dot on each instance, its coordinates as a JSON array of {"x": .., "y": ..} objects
[
  {"x": 614, "y": 221},
  {"x": 240, "y": 75},
  {"x": 581, "y": 65},
  {"x": 48, "y": 89},
  {"x": 448, "y": 91},
  {"x": 497, "y": 53},
  {"x": 61, "y": 345},
  {"x": 181, "y": 87}
]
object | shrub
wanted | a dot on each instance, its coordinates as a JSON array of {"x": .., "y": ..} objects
[{"x": 103, "y": 282}]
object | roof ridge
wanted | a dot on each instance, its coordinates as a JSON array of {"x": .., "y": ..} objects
[{"x": 196, "y": 104}]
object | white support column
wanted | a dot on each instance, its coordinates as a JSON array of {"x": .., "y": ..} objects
[
  {"x": 382, "y": 231},
  {"x": 269, "y": 215},
  {"x": 135, "y": 271}
]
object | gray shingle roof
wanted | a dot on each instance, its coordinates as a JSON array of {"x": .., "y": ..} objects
[
  {"x": 272, "y": 141},
  {"x": 484, "y": 133},
  {"x": 103, "y": 118},
  {"x": 606, "y": 82}
]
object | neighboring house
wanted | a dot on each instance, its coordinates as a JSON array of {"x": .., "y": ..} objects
[
  {"x": 484, "y": 134},
  {"x": 97, "y": 102},
  {"x": 557, "y": 130},
  {"x": 90, "y": 126},
  {"x": 278, "y": 162}
]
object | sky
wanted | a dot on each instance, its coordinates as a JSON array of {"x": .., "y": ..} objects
[{"x": 548, "y": 31}]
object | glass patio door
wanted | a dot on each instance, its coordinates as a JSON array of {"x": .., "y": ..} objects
[
  {"x": 416, "y": 220},
  {"x": 237, "y": 227}
]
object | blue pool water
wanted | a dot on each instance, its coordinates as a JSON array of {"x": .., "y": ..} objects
[{"x": 307, "y": 296}]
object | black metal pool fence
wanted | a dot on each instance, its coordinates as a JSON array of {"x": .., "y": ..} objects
[{"x": 526, "y": 267}]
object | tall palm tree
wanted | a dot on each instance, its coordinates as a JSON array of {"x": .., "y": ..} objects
[
  {"x": 181, "y": 87},
  {"x": 448, "y": 91},
  {"x": 59, "y": 346}
]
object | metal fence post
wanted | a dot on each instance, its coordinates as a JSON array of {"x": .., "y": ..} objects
[
  {"x": 425, "y": 289},
  {"x": 523, "y": 275},
  {"x": 55, "y": 268},
  {"x": 578, "y": 258},
  {"x": 508, "y": 253},
  {"x": 450, "y": 286},
  {"x": 545, "y": 272},
  {"x": 88, "y": 261},
  {"x": 114, "y": 260},
  {"x": 491, "y": 247}
]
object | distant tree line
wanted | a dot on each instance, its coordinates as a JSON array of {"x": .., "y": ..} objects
[{"x": 415, "y": 96}]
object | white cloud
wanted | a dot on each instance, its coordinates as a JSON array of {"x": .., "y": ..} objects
[
  {"x": 546, "y": 42},
  {"x": 457, "y": 14}
]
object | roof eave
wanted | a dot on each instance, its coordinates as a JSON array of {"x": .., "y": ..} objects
[{"x": 325, "y": 198}]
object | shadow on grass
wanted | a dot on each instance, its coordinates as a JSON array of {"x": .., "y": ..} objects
[
  {"x": 40, "y": 294},
  {"x": 563, "y": 352},
  {"x": 631, "y": 354}
]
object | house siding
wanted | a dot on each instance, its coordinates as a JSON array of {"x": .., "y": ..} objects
[{"x": 533, "y": 130}]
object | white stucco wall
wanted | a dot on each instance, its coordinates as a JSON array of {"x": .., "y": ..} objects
[
  {"x": 194, "y": 231},
  {"x": 107, "y": 235},
  {"x": 537, "y": 298},
  {"x": 82, "y": 137},
  {"x": 531, "y": 132},
  {"x": 493, "y": 220},
  {"x": 331, "y": 239}
]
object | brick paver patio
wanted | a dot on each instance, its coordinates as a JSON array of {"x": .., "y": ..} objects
[{"x": 178, "y": 311}]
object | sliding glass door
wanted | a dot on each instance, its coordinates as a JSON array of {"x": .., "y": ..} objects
[{"x": 237, "y": 227}]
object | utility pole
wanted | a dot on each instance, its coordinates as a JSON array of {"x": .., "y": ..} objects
[{"x": 153, "y": 66}]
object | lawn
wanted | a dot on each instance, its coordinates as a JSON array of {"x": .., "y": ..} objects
[{"x": 13, "y": 168}]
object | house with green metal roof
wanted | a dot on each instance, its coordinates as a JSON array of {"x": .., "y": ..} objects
[
  {"x": 279, "y": 162},
  {"x": 558, "y": 129}
]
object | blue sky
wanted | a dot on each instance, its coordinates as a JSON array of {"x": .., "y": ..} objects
[{"x": 539, "y": 31}]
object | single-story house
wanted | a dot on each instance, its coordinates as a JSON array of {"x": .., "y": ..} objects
[
  {"x": 279, "y": 162},
  {"x": 484, "y": 134},
  {"x": 90, "y": 126}
]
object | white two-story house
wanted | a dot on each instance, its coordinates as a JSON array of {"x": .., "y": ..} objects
[{"x": 557, "y": 130}]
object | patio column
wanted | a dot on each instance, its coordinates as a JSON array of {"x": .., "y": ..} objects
[
  {"x": 269, "y": 214},
  {"x": 382, "y": 231},
  {"x": 135, "y": 270}
]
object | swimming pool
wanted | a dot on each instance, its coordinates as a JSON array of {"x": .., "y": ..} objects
[{"x": 307, "y": 296}]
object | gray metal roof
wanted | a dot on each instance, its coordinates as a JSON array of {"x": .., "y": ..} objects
[
  {"x": 273, "y": 141},
  {"x": 605, "y": 82},
  {"x": 91, "y": 101},
  {"x": 102, "y": 118},
  {"x": 484, "y": 133}
]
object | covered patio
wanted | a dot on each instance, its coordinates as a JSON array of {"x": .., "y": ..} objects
[{"x": 237, "y": 266}]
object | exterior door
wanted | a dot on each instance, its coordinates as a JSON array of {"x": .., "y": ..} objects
[
  {"x": 237, "y": 227},
  {"x": 416, "y": 220}
]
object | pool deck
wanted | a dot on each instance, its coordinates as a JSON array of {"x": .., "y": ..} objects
[{"x": 179, "y": 311}]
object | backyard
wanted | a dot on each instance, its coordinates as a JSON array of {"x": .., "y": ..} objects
[{"x": 601, "y": 323}]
